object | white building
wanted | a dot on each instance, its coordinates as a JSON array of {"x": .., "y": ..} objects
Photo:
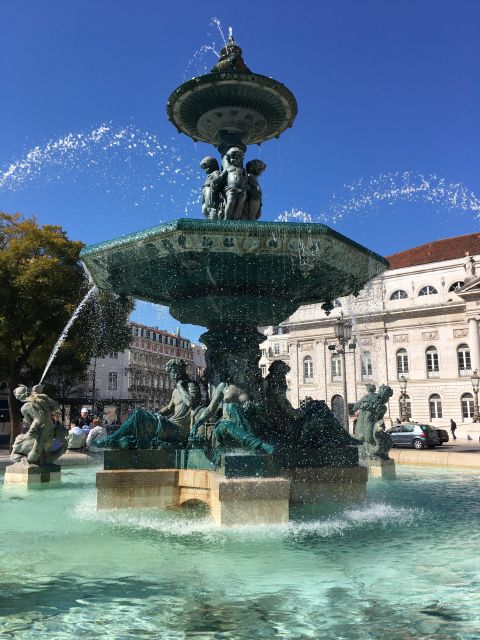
[
  {"x": 420, "y": 319},
  {"x": 136, "y": 377}
]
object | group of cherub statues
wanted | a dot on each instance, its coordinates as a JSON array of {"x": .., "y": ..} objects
[
  {"x": 233, "y": 193},
  {"x": 239, "y": 410}
]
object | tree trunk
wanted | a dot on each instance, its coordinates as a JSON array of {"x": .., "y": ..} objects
[{"x": 15, "y": 414}]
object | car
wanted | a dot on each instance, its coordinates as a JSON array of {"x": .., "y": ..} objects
[
  {"x": 418, "y": 436},
  {"x": 443, "y": 435}
]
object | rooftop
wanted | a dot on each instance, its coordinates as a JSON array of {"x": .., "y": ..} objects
[{"x": 437, "y": 251}]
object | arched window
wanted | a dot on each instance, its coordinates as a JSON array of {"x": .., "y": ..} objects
[
  {"x": 467, "y": 405},
  {"x": 433, "y": 366},
  {"x": 435, "y": 404},
  {"x": 408, "y": 402},
  {"x": 428, "y": 290},
  {"x": 336, "y": 368},
  {"x": 456, "y": 285},
  {"x": 307, "y": 370},
  {"x": 366, "y": 361},
  {"x": 464, "y": 361},
  {"x": 399, "y": 294},
  {"x": 402, "y": 362}
]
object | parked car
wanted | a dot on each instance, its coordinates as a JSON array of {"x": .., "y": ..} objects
[
  {"x": 442, "y": 435},
  {"x": 413, "y": 435}
]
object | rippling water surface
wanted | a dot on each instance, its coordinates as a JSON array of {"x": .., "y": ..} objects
[{"x": 403, "y": 565}]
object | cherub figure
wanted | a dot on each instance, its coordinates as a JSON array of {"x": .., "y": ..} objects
[
  {"x": 234, "y": 182},
  {"x": 212, "y": 204},
  {"x": 253, "y": 204}
]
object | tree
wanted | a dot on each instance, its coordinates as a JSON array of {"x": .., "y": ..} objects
[{"x": 41, "y": 284}]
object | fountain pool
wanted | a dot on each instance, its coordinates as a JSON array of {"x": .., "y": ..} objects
[{"x": 402, "y": 565}]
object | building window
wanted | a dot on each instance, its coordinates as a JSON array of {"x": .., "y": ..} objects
[
  {"x": 276, "y": 348},
  {"x": 112, "y": 381},
  {"x": 408, "y": 402},
  {"x": 336, "y": 304},
  {"x": 435, "y": 404},
  {"x": 399, "y": 294},
  {"x": 307, "y": 370},
  {"x": 455, "y": 286},
  {"x": 467, "y": 405},
  {"x": 336, "y": 368},
  {"x": 402, "y": 362},
  {"x": 464, "y": 362},
  {"x": 366, "y": 363},
  {"x": 428, "y": 290},
  {"x": 433, "y": 367},
  {"x": 263, "y": 369}
]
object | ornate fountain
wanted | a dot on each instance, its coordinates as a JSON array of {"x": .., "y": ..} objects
[{"x": 244, "y": 449}]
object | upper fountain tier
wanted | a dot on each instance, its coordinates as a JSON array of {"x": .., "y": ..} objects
[{"x": 231, "y": 105}]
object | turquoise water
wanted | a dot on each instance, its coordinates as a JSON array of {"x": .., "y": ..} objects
[{"x": 403, "y": 565}]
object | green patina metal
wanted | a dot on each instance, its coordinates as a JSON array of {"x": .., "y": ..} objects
[{"x": 211, "y": 270}]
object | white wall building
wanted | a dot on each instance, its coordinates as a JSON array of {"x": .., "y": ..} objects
[{"x": 419, "y": 319}]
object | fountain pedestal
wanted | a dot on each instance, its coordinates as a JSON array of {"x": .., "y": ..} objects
[
  {"x": 378, "y": 468},
  {"x": 24, "y": 473}
]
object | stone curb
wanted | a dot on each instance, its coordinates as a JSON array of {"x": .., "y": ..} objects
[
  {"x": 436, "y": 458},
  {"x": 67, "y": 460}
]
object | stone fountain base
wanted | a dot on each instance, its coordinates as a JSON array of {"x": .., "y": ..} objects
[
  {"x": 379, "y": 468},
  {"x": 24, "y": 473},
  {"x": 233, "y": 496}
]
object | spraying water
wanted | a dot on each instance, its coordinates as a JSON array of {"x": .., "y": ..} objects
[{"x": 67, "y": 328}]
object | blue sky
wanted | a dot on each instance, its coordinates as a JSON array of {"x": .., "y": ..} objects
[{"x": 385, "y": 148}]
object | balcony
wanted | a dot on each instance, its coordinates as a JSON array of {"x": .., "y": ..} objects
[{"x": 465, "y": 373}]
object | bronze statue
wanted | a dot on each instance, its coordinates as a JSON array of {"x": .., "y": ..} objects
[
  {"x": 212, "y": 201},
  {"x": 233, "y": 180},
  {"x": 370, "y": 429},
  {"x": 253, "y": 204},
  {"x": 170, "y": 426}
]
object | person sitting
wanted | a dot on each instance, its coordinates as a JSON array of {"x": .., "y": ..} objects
[
  {"x": 85, "y": 421},
  {"x": 99, "y": 432},
  {"x": 76, "y": 437}
]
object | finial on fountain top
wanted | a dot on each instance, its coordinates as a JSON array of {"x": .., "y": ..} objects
[{"x": 231, "y": 59}]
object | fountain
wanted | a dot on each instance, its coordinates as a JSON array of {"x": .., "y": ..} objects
[{"x": 245, "y": 452}]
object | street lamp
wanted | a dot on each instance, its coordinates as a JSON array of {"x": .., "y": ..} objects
[
  {"x": 475, "y": 384},
  {"x": 343, "y": 333},
  {"x": 403, "y": 399}
]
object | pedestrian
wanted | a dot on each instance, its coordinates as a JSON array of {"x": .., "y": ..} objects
[
  {"x": 453, "y": 428},
  {"x": 98, "y": 432},
  {"x": 76, "y": 437},
  {"x": 85, "y": 419},
  {"x": 354, "y": 425},
  {"x": 398, "y": 421}
]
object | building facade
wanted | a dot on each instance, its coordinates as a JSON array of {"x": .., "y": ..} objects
[
  {"x": 136, "y": 377},
  {"x": 420, "y": 320}
]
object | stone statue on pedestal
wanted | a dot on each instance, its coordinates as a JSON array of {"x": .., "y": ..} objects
[
  {"x": 376, "y": 443},
  {"x": 37, "y": 445}
]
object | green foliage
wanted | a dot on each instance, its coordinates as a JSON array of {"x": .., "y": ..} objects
[{"x": 41, "y": 284}]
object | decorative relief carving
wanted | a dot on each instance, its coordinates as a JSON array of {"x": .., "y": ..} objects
[
  {"x": 401, "y": 337},
  {"x": 306, "y": 347},
  {"x": 460, "y": 333},
  {"x": 430, "y": 335}
]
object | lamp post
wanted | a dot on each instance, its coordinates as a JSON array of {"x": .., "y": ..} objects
[
  {"x": 475, "y": 384},
  {"x": 343, "y": 333},
  {"x": 403, "y": 399}
]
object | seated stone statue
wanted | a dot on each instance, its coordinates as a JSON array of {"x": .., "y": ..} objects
[
  {"x": 170, "y": 426},
  {"x": 369, "y": 430},
  {"x": 313, "y": 425},
  {"x": 232, "y": 428},
  {"x": 36, "y": 445}
]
